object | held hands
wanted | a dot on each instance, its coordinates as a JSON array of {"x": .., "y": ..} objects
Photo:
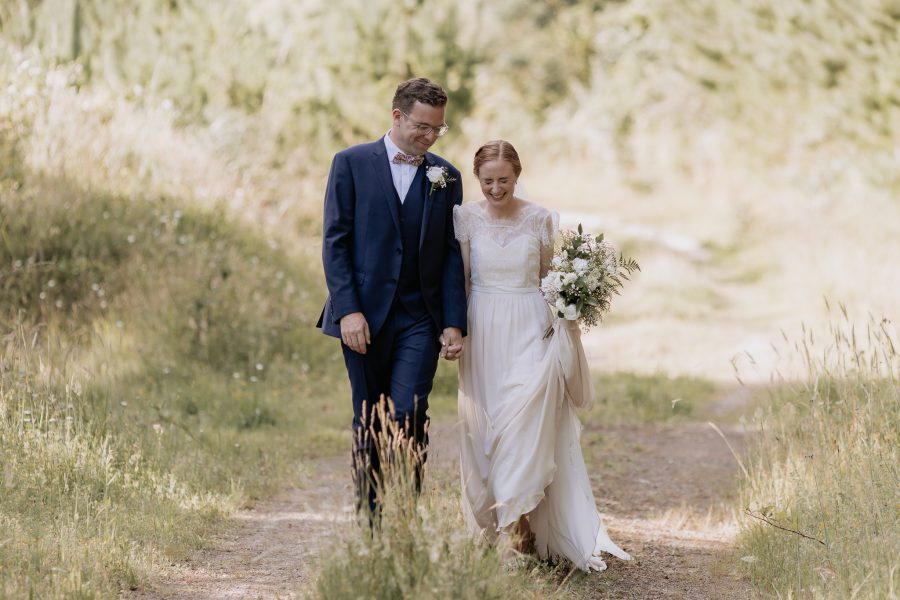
[
  {"x": 451, "y": 343},
  {"x": 355, "y": 332}
]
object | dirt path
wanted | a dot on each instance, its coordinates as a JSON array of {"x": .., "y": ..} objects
[{"x": 666, "y": 494}]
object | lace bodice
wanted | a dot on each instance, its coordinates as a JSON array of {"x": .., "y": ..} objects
[{"x": 506, "y": 253}]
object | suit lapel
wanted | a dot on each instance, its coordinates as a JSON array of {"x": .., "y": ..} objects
[
  {"x": 426, "y": 198},
  {"x": 383, "y": 171}
]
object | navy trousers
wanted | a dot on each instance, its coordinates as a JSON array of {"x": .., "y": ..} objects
[{"x": 400, "y": 363}]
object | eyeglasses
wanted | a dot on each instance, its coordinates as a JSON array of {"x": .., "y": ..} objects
[{"x": 424, "y": 128}]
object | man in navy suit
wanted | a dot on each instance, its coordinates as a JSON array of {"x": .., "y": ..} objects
[{"x": 394, "y": 272}]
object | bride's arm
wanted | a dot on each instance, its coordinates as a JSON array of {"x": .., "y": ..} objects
[
  {"x": 546, "y": 257},
  {"x": 464, "y": 250},
  {"x": 548, "y": 236}
]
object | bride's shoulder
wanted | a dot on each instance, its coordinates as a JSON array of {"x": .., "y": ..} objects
[
  {"x": 466, "y": 217},
  {"x": 537, "y": 213},
  {"x": 542, "y": 222},
  {"x": 469, "y": 210}
]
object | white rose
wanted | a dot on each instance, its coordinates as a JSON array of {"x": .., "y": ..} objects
[
  {"x": 435, "y": 174},
  {"x": 560, "y": 305},
  {"x": 570, "y": 312},
  {"x": 557, "y": 261},
  {"x": 569, "y": 278},
  {"x": 551, "y": 281},
  {"x": 580, "y": 265}
]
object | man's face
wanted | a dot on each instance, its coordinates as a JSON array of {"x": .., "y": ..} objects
[{"x": 415, "y": 132}]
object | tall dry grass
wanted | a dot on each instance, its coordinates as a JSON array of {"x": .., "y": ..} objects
[
  {"x": 823, "y": 506},
  {"x": 419, "y": 545},
  {"x": 84, "y": 510}
]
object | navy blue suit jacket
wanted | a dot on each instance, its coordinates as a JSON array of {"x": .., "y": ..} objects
[{"x": 362, "y": 246}]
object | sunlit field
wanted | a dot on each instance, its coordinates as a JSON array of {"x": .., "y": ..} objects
[{"x": 162, "y": 168}]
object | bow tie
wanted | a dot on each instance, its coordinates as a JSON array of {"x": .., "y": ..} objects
[{"x": 402, "y": 158}]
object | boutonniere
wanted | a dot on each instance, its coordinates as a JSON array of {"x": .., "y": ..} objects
[{"x": 439, "y": 177}]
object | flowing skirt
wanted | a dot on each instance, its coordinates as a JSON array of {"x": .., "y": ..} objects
[{"x": 520, "y": 436}]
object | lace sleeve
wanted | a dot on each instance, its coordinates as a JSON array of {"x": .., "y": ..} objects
[
  {"x": 548, "y": 228},
  {"x": 461, "y": 225}
]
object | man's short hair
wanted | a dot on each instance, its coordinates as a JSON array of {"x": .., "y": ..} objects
[{"x": 421, "y": 90}]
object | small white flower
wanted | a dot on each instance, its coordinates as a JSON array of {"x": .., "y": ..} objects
[
  {"x": 570, "y": 312},
  {"x": 560, "y": 305},
  {"x": 557, "y": 261},
  {"x": 569, "y": 278}
]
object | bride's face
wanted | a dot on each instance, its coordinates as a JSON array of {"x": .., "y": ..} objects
[{"x": 498, "y": 182}]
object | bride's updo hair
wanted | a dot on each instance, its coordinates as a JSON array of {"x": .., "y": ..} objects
[{"x": 498, "y": 150}]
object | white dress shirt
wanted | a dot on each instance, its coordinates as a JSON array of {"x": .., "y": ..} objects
[{"x": 402, "y": 174}]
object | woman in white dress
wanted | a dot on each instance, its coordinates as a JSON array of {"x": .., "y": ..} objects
[{"x": 521, "y": 464}]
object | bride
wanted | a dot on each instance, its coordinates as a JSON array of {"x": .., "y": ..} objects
[{"x": 523, "y": 475}]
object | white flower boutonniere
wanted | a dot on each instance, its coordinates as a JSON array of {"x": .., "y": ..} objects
[{"x": 439, "y": 177}]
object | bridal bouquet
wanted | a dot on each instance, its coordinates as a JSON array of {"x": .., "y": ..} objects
[{"x": 584, "y": 275}]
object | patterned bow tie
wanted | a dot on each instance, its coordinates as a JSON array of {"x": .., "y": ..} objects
[{"x": 402, "y": 158}]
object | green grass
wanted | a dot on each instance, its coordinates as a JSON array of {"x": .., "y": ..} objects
[
  {"x": 634, "y": 398},
  {"x": 826, "y": 466}
]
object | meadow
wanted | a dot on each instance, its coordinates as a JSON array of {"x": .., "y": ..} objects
[{"x": 161, "y": 178}]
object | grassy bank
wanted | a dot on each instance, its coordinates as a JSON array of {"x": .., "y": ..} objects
[
  {"x": 822, "y": 485},
  {"x": 159, "y": 368}
]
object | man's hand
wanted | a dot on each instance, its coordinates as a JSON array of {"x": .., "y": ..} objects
[
  {"x": 451, "y": 343},
  {"x": 355, "y": 332}
]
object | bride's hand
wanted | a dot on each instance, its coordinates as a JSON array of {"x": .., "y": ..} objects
[{"x": 451, "y": 343}]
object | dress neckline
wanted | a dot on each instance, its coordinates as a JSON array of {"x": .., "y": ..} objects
[{"x": 517, "y": 218}]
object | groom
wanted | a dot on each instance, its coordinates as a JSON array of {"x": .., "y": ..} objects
[{"x": 394, "y": 272}]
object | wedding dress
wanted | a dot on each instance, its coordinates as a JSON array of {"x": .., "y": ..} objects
[{"x": 520, "y": 451}]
